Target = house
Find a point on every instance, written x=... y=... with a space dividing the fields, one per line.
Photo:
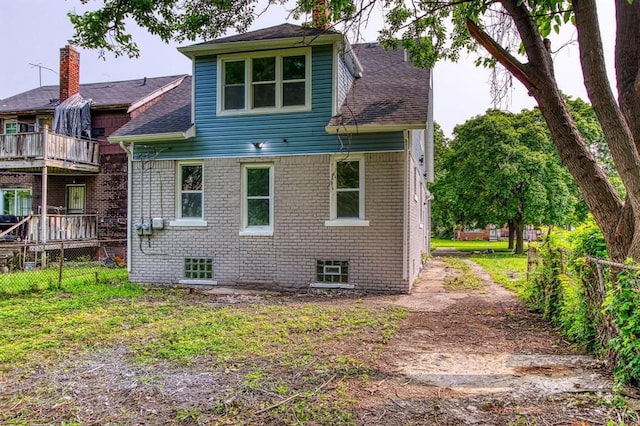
x=292 y=159
x=58 y=173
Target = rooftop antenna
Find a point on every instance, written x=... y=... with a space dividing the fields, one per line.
x=40 y=68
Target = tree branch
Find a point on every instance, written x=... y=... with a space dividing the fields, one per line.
x=507 y=60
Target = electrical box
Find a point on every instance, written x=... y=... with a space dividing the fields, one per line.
x=143 y=227
x=157 y=223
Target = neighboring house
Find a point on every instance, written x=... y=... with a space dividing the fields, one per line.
x=57 y=170
x=494 y=233
x=292 y=160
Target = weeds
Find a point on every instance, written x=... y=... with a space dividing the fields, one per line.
x=463 y=279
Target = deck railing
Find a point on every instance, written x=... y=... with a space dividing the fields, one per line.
x=48 y=146
x=62 y=227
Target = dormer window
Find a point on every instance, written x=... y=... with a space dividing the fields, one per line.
x=275 y=81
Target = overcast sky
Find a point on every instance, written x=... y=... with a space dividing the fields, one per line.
x=33 y=32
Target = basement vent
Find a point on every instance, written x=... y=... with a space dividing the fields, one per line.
x=332 y=271
x=198 y=268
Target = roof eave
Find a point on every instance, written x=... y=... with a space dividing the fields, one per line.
x=374 y=128
x=247 y=46
x=156 y=93
x=154 y=137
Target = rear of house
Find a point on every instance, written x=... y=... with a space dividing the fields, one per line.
x=291 y=160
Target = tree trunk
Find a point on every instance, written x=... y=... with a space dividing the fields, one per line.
x=511 y=233
x=518 y=225
x=606 y=206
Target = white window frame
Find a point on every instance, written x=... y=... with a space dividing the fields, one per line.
x=188 y=221
x=248 y=83
x=334 y=219
x=256 y=230
x=14 y=123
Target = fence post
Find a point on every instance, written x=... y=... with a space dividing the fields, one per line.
x=61 y=260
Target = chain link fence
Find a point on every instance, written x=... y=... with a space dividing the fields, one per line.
x=35 y=267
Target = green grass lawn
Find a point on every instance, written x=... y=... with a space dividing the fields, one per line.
x=473 y=245
x=276 y=348
x=508 y=270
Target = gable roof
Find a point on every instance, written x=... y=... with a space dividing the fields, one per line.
x=279 y=36
x=105 y=94
x=169 y=118
x=391 y=91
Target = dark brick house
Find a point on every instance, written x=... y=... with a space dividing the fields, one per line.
x=58 y=173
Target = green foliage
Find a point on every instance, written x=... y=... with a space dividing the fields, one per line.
x=587 y=240
x=560 y=295
x=577 y=294
x=624 y=305
x=502 y=167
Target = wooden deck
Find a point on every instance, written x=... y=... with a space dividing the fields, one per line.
x=39 y=149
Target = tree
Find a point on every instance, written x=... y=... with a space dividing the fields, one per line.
x=502 y=27
x=502 y=168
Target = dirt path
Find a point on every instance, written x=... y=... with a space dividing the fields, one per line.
x=480 y=358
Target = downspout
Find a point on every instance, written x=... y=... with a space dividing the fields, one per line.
x=129 y=151
x=405 y=211
x=430 y=165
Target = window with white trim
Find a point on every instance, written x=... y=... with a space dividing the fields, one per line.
x=257 y=198
x=347 y=198
x=11 y=127
x=190 y=191
x=272 y=81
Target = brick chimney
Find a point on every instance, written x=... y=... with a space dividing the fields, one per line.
x=69 y=72
x=320 y=15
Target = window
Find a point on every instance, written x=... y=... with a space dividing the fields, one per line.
x=257 y=198
x=347 y=195
x=11 y=127
x=16 y=201
x=272 y=81
x=332 y=271
x=190 y=190
x=198 y=268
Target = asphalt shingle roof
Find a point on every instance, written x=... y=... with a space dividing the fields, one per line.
x=391 y=90
x=170 y=114
x=103 y=94
x=271 y=33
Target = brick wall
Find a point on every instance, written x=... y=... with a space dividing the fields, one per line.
x=69 y=72
x=287 y=259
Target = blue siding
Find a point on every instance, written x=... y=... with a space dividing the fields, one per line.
x=304 y=132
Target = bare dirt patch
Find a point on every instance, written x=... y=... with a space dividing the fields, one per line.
x=481 y=358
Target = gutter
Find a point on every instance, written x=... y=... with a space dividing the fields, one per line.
x=154 y=137
x=373 y=128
